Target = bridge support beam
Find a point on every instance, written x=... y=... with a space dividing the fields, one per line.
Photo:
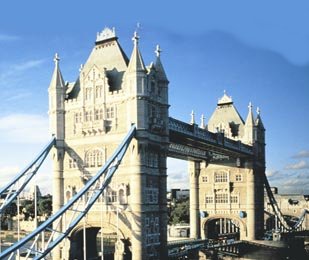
x=194 y=171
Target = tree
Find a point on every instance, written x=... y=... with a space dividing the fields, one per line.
x=45 y=205
x=180 y=213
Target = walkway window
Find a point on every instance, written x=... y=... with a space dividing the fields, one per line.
x=221 y=198
x=220 y=176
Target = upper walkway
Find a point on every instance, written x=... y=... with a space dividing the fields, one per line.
x=188 y=141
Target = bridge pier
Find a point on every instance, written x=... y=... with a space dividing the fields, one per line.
x=194 y=170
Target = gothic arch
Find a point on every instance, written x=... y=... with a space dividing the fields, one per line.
x=206 y=221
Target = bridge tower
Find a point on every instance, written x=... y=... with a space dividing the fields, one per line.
x=231 y=189
x=89 y=118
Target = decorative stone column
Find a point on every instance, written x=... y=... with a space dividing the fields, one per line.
x=194 y=170
x=57 y=154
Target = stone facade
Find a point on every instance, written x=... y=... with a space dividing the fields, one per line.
x=90 y=117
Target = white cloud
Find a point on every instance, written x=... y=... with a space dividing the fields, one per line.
x=301 y=154
x=7 y=37
x=272 y=173
x=297 y=166
x=8 y=72
x=24 y=128
x=7 y=173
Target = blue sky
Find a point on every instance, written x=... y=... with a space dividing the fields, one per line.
x=257 y=51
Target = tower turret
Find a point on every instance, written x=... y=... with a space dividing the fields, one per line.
x=260 y=136
x=56 y=92
x=136 y=86
x=249 y=127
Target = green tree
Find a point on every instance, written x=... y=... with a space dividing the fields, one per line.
x=180 y=213
x=45 y=205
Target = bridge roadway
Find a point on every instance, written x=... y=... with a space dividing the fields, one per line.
x=180 y=248
x=189 y=141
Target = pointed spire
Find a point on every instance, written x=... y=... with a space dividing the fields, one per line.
x=202 y=121
x=136 y=62
x=57 y=79
x=158 y=65
x=192 y=121
x=250 y=118
x=258 y=120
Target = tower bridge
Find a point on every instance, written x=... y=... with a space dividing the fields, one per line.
x=89 y=119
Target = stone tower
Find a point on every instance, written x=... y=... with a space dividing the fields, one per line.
x=231 y=189
x=90 y=117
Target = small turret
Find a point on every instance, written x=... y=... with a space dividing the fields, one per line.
x=260 y=136
x=56 y=92
x=136 y=63
x=249 y=127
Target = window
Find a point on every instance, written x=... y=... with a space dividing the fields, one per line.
x=98 y=91
x=78 y=117
x=234 y=199
x=110 y=113
x=72 y=163
x=209 y=199
x=88 y=93
x=98 y=114
x=88 y=116
x=221 y=198
x=204 y=178
x=220 y=176
x=238 y=177
x=111 y=195
x=94 y=158
x=122 y=198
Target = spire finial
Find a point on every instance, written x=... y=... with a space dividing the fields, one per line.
x=250 y=106
x=158 y=50
x=192 y=122
x=203 y=121
x=258 y=110
x=56 y=58
x=81 y=67
x=135 y=38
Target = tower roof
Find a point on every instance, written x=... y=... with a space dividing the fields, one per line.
x=57 y=79
x=136 y=61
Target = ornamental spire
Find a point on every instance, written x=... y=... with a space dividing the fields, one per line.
x=135 y=38
x=192 y=121
x=57 y=79
x=158 y=51
x=202 y=121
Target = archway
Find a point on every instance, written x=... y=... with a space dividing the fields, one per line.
x=222 y=227
x=99 y=241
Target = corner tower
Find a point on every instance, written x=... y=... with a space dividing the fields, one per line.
x=111 y=93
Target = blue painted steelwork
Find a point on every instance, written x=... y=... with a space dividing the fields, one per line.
x=91 y=191
x=278 y=212
x=14 y=188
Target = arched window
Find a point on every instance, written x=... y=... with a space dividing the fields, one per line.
x=122 y=198
x=94 y=158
